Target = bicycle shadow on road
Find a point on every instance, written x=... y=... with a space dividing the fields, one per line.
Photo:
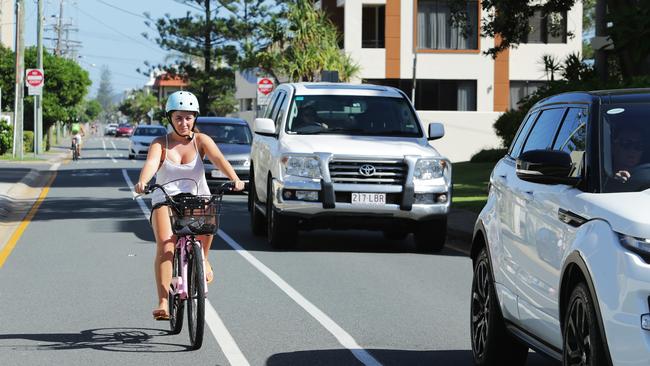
x=389 y=357
x=101 y=339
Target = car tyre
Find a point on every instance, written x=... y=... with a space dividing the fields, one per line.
x=430 y=235
x=583 y=344
x=281 y=231
x=258 y=224
x=492 y=345
x=131 y=156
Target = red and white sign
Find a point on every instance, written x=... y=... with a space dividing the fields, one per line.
x=265 y=86
x=34 y=78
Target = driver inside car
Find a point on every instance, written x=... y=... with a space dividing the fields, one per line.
x=627 y=150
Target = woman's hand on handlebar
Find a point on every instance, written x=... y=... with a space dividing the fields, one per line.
x=239 y=185
x=140 y=187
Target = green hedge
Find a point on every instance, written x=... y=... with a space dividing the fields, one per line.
x=6 y=137
x=28 y=141
x=488 y=156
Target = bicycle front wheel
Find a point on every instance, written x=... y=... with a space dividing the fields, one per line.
x=196 y=296
x=175 y=302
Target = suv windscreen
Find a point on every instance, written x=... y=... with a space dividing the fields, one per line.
x=352 y=115
x=227 y=133
x=149 y=131
x=625 y=147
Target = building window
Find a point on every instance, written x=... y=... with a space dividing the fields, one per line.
x=521 y=89
x=437 y=31
x=551 y=28
x=373 y=26
x=436 y=95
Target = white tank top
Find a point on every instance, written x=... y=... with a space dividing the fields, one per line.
x=170 y=171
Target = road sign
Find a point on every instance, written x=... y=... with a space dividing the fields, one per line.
x=34 y=79
x=264 y=89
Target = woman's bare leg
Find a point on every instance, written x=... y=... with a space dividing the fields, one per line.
x=165 y=241
x=206 y=242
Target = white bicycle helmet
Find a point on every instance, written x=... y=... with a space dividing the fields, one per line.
x=182 y=101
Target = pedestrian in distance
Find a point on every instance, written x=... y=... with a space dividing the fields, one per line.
x=174 y=156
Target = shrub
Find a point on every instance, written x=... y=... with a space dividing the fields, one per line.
x=28 y=141
x=488 y=156
x=6 y=136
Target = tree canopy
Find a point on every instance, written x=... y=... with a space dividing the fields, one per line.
x=137 y=104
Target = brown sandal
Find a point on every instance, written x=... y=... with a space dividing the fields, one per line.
x=160 y=314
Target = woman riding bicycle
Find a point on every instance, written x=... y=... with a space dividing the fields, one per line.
x=174 y=156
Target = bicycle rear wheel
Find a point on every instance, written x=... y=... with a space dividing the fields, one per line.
x=196 y=296
x=174 y=301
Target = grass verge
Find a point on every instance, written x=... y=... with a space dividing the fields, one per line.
x=470 y=185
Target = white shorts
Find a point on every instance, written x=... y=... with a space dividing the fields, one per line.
x=77 y=137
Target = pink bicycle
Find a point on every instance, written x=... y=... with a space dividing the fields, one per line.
x=190 y=215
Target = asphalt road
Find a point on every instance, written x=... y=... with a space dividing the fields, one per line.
x=78 y=288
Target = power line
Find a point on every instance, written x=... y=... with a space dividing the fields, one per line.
x=122 y=10
x=117 y=31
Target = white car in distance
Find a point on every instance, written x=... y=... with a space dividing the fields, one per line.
x=142 y=137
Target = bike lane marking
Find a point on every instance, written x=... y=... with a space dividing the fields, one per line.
x=13 y=240
x=215 y=324
x=344 y=338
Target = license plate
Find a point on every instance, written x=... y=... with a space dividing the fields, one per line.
x=218 y=174
x=368 y=198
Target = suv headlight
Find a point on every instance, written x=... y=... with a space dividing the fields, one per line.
x=639 y=246
x=428 y=169
x=302 y=166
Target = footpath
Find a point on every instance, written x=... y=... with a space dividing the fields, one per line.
x=21 y=183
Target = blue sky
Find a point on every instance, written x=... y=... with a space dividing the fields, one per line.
x=110 y=34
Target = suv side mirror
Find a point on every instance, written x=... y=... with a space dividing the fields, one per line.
x=436 y=131
x=264 y=126
x=546 y=167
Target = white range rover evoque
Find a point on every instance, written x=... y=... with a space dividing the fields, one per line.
x=345 y=156
x=561 y=250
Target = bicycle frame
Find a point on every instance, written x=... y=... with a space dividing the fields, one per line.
x=179 y=284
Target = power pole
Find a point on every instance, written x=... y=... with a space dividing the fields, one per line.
x=38 y=106
x=20 y=76
x=59 y=29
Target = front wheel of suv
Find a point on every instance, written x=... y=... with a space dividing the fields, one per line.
x=258 y=225
x=491 y=343
x=281 y=231
x=430 y=235
x=583 y=344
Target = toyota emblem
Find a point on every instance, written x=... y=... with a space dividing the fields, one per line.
x=367 y=170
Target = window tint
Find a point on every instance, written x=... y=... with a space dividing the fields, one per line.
x=543 y=133
x=269 y=107
x=572 y=138
x=515 y=150
x=276 y=109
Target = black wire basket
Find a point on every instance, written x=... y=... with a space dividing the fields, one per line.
x=195 y=215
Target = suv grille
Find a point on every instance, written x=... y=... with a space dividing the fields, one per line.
x=391 y=172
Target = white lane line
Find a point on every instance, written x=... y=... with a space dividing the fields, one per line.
x=112 y=158
x=223 y=337
x=339 y=333
x=143 y=206
x=212 y=319
x=55 y=167
x=104 y=144
x=114 y=148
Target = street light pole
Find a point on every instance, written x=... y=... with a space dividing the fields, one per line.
x=38 y=105
x=20 y=75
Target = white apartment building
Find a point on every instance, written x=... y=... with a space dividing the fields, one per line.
x=456 y=83
x=7 y=25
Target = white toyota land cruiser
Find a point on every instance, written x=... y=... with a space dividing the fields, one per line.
x=344 y=156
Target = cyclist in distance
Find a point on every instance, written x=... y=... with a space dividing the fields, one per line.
x=178 y=155
x=77 y=132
